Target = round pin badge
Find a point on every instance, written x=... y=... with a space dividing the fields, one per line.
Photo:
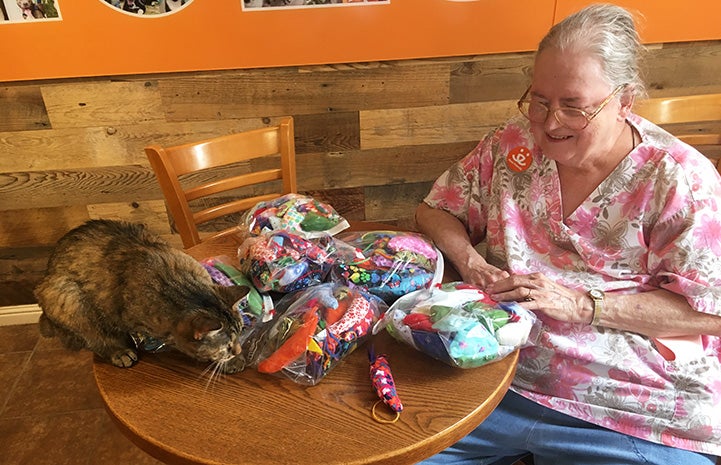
x=519 y=159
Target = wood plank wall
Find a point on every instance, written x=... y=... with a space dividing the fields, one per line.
x=370 y=137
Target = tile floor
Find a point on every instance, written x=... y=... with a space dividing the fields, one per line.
x=50 y=410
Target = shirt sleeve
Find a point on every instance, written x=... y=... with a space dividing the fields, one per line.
x=457 y=191
x=685 y=244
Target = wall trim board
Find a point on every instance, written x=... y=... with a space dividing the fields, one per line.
x=19 y=314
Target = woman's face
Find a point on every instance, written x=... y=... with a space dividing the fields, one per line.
x=574 y=79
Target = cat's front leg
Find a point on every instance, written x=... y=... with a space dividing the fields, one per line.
x=117 y=349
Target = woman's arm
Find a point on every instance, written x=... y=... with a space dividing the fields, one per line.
x=658 y=313
x=450 y=236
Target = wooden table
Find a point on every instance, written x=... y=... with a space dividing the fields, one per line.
x=166 y=405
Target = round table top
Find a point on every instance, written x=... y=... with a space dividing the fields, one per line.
x=169 y=406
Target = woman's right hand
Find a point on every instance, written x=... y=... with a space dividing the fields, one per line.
x=451 y=237
x=478 y=271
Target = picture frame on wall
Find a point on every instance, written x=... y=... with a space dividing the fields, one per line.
x=266 y=4
x=17 y=11
x=147 y=7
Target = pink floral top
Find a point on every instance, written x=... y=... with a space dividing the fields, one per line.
x=655 y=222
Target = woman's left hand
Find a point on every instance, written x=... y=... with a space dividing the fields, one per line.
x=540 y=294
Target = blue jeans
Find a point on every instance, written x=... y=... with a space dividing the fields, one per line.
x=519 y=427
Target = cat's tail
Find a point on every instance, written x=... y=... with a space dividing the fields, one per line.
x=46 y=326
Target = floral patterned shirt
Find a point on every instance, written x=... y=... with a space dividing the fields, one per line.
x=654 y=222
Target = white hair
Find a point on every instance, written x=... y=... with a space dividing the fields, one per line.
x=607 y=32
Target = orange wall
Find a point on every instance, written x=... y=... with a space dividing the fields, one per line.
x=93 y=39
x=665 y=20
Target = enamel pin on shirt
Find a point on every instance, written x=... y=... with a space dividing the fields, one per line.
x=519 y=159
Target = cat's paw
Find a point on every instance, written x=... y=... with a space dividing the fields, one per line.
x=234 y=365
x=124 y=358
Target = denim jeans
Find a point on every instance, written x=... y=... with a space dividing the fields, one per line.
x=519 y=426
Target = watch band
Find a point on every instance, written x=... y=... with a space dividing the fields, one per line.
x=597 y=296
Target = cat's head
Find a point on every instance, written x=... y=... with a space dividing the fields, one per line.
x=211 y=331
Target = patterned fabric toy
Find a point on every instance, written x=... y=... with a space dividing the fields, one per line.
x=384 y=385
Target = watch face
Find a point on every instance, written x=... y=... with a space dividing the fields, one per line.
x=596 y=293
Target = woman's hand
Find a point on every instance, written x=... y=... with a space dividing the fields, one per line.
x=451 y=237
x=477 y=271
x=540 y=294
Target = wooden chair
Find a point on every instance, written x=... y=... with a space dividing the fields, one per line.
x=695 y=119
x=200 y=180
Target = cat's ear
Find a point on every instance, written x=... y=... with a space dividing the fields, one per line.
x=232 y=294
x=203 y=324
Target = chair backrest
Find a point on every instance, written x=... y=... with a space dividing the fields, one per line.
x=695 y=119
x=185 y=183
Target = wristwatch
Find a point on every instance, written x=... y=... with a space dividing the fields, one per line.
x=597 y=296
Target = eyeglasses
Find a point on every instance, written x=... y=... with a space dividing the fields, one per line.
x=572 y=118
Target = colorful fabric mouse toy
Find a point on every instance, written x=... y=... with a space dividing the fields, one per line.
x=384 y=386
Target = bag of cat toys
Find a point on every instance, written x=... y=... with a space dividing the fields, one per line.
x=282 y=261
x=299 y=214
x=255 y=309
x=388 y=264
x=315 y=329
x=255 y=306
x=460 y=325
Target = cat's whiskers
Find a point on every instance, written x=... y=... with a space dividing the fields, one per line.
x=214 y=371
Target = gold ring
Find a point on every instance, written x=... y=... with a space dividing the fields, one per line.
x=528 y=297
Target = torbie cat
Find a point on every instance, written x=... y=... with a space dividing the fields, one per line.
x=109 y=279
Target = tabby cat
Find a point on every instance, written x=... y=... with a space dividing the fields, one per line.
x=108 y=280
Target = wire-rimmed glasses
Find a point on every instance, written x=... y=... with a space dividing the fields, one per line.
x=572 y=118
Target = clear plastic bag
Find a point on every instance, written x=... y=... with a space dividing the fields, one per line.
x=315 y=329
x=255 y=305
x=302 y=215
x=388 y=264
x=460 y=325
x=256 y=309
x=282 y=261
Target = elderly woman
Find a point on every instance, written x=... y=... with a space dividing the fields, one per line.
x=609 y=229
